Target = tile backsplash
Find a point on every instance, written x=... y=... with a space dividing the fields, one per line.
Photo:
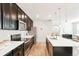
x=5 y=34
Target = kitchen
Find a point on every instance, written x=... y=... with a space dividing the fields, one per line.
x=24 y=25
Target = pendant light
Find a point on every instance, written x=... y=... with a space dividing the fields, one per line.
x=59 y=15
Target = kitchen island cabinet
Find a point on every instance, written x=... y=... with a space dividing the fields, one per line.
x=58 y=50
x=60 y=46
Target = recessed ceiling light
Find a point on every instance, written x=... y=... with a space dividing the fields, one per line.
x=22 y=16
x=37 y=15
x=49 y=16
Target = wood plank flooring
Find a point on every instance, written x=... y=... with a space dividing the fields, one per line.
x=38 y=49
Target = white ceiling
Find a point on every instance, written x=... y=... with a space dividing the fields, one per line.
x=46 y=11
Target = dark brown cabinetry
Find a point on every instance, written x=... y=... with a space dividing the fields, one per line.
x=9 y=16
x=6 y=15
x=29 y=24
x=22 y=16
x=19 y=14
x=19 y=51
x=49 y=47
x=13 y=15
x=9 y=54
x=58 y=50
x=28 y=45
x=0 y=16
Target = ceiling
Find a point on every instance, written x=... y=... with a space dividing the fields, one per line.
x=51 y=11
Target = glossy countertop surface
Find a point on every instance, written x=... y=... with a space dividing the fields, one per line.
x=60 y=41
x=28 y=36
x=6 y=46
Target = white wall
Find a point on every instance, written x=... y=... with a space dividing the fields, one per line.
x=43 y=28
x=67 y=28
x=5 y=34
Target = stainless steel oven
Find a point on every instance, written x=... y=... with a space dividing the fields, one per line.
x=16 y=37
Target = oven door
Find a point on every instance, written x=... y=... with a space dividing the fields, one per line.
x=16 y=37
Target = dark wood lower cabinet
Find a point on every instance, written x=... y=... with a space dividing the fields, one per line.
x=62 y=51
x=22 y=49
x=9 y=54
x=19 y=51
x=49 y=47
x=28 y=45
x=58 y=51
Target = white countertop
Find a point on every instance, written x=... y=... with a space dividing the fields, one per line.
x=62 y=42
x=7 y=46
x=28 y=36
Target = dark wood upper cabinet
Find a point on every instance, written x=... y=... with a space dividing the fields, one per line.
x=0 y=16
x=29 y=24
x=19 y=14
x=6 y=15
x=9 y=16
x=22 y=16
x=13 y=17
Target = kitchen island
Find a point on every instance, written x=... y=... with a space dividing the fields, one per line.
x=8 y=48
x=60 y=46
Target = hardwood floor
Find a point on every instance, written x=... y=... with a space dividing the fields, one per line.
x=38 y=49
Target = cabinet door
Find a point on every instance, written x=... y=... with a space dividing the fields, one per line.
x=28 y=25
x=26 y=20
x=6 y=15
x=50 y=49
x=23 y=16
x=0 y=15
x=19 y=14
x=19 y=51
x=14 y=17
